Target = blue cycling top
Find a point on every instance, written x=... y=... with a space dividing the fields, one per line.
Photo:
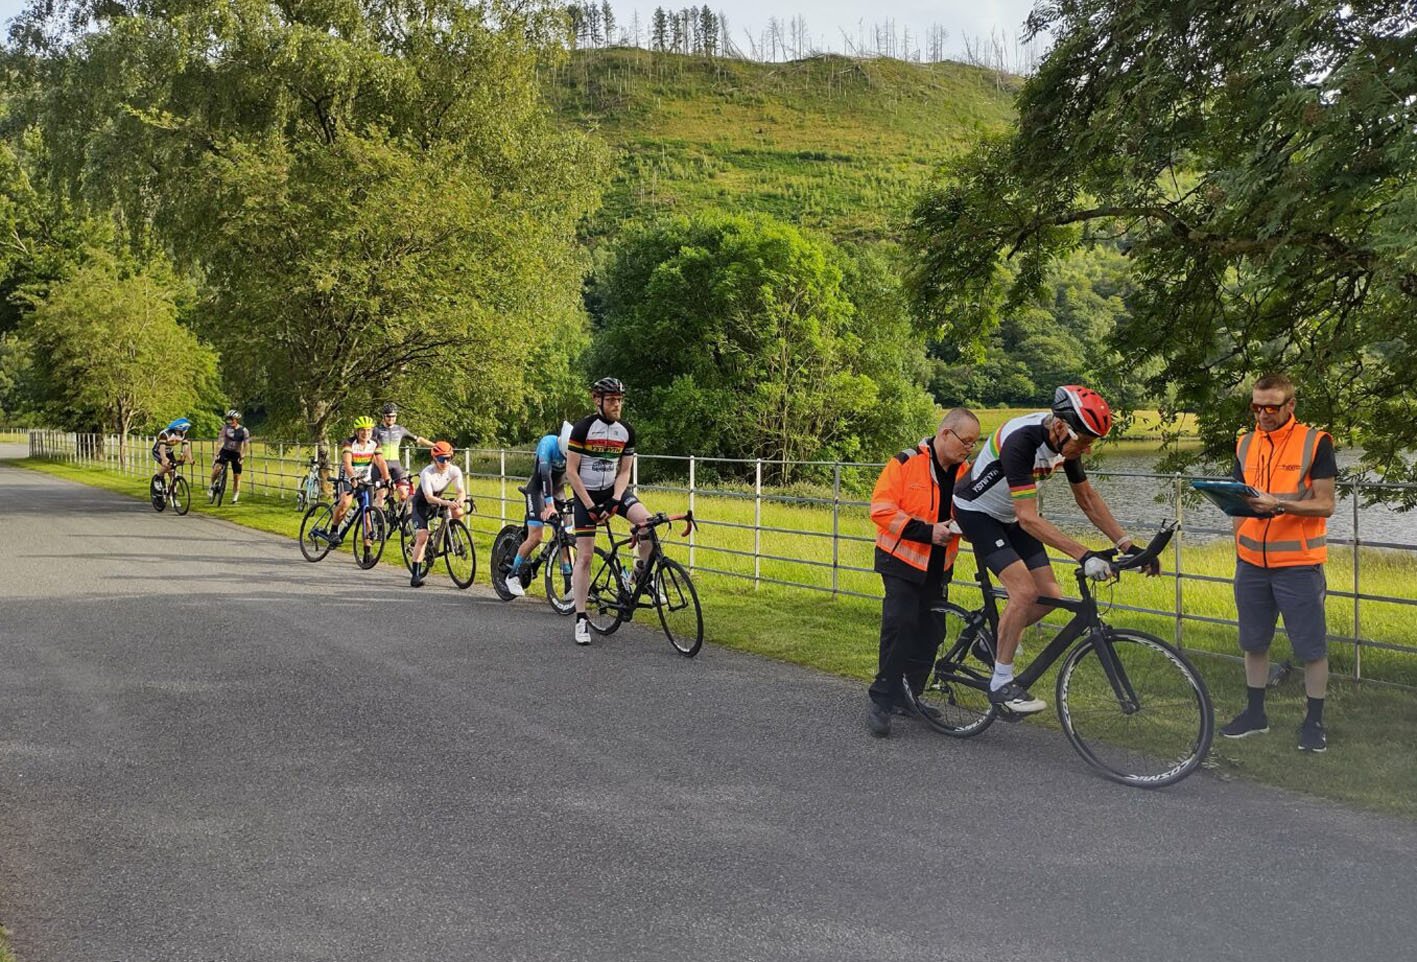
x=549 y=472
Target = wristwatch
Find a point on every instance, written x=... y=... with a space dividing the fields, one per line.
x=1280 y=509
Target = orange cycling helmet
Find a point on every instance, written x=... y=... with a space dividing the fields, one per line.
x=442 y=449
x=1083 y=410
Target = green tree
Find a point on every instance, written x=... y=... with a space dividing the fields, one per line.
x=1256 y=161
x=109 y=350
x=739 y=339
x=374 y=194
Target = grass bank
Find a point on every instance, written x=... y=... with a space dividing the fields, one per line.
x=1370 y=763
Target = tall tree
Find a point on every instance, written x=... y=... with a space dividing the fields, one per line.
x=1259 y=163
x=659 y=30
x=375 y=194
x=110 y=350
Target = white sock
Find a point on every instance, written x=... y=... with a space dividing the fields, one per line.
x=1003 y=674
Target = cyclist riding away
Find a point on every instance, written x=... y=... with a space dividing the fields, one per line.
x=170 y=448
x=433 y=483
x=997 y=509
x=359 y=459
x=389 y=435
x=547 y=484
x=599 y=456
x=233 y=443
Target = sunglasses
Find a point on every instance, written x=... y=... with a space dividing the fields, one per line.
x=1268 y=408
x=443 y=458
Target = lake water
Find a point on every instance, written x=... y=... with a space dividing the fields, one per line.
x=1134 y=499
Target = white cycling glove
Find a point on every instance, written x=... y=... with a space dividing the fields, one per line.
x=1095 y=568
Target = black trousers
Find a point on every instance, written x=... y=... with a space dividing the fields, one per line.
x=910 y=637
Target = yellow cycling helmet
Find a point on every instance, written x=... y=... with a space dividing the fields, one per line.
x=364 y=422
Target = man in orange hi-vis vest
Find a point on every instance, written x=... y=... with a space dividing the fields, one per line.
x=1279 y=567
x=916 y=544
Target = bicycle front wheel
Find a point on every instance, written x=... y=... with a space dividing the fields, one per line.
x=157 y=493
x=558 y=565
x=219 y=488
x=948 y=703
x=370 y=533
x=504 y=549
x=678 y=605
x=316 y=530
x=603 y=599
x=181 y=495
x=459 y=554
x=1135 y=708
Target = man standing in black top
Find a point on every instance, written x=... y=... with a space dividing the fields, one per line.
x=916 y=545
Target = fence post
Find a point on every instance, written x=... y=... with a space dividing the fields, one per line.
x=757 y=522
x=281 y=495
x=502 y=473
x=691 y=511
x=836 y=524
x=467 y=484
x=1357 y=586
x=1176 y=495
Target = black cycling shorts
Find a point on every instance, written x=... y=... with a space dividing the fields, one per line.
x=232 y=458
x=423 y=511
x=396 y=470
x=999 y=545
x=585 y=527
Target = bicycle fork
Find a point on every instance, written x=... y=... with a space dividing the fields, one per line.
x=1115 y=672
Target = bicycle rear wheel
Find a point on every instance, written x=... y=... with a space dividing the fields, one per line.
x=948 y=703
x=559 y=564
x=316 y=529
x=157 y=493
x=504 y=548
x=603 y=599
x=459 y=554
x=370 y=532
x=678 y=605
x=181 y=495
x=1147 y=724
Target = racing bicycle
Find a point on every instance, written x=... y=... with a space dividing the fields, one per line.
x=1132 y=705
x=665 y=586
x=217 y=491
x=318 y=537
x=173 y=490
x=557 y=556
x=449 y=539
x=307 y=491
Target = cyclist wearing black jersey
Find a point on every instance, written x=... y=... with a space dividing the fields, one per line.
x=997 y=509
x=599 y=456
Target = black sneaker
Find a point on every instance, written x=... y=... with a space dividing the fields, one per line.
x=878 y=721
x=1245 y=724
x=417 y=580
x=1016 y=699
x=1312 y=737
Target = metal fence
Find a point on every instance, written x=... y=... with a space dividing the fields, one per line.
x=738 y=523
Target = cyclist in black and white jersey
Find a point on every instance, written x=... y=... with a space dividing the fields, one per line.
x=233 y=444
x=598 y=461
x=997 y=509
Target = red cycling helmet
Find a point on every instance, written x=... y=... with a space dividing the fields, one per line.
x=1083 y=410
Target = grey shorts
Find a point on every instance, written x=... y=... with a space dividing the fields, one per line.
x=1297 y=593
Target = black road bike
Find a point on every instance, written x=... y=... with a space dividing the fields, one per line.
x=217 y=491
x=449 y=539
x=370 y=531
x=172 y=490
x=556 y=559
x=665 y=586
x=1132 y=705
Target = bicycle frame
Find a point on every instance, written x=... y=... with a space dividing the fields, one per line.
x=1085 y=621
x=628 y=602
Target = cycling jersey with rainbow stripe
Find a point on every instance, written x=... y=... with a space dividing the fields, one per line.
x=361 y=456
x=601 y=444
x=1012 y=463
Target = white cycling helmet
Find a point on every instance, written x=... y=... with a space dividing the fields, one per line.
x=564 y=441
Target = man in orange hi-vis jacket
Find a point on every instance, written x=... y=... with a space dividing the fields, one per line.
x=1279 y=566
x=916 y=544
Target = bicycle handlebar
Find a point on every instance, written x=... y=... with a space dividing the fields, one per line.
x=661 y=518
x=1146 y=556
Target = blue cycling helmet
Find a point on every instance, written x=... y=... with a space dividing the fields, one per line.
x=181 y=424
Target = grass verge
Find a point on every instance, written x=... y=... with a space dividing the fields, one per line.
x=1369 y=764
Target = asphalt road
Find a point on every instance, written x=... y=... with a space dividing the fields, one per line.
x=212 y=750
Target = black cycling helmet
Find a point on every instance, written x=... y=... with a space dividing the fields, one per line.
x=608 y=385
x=390 y=408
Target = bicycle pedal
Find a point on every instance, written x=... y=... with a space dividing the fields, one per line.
x=1009 y=715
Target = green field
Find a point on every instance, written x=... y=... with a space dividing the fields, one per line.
x=1370 y=724
x=831 y=143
